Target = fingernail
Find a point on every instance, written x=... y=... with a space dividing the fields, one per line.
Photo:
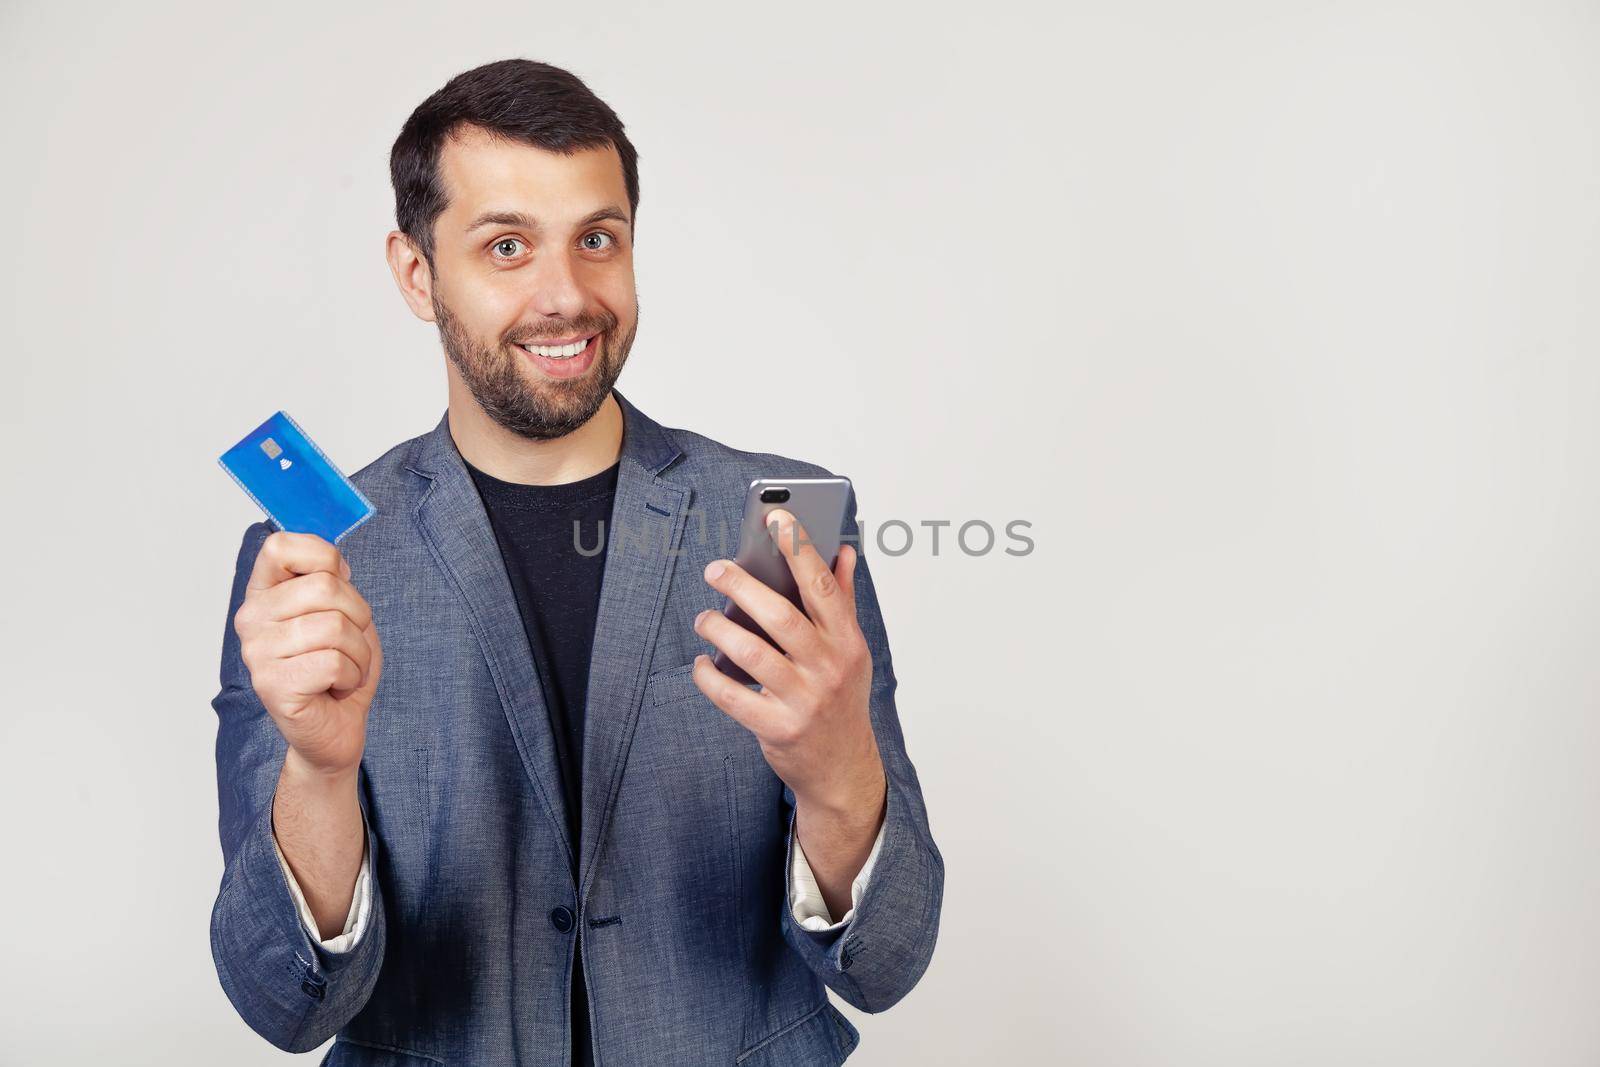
x=345 y=567
x=714 y=570
x=698 y=619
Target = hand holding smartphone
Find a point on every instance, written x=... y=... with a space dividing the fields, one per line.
x=818 y=504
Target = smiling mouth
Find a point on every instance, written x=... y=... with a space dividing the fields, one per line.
x=564 y=351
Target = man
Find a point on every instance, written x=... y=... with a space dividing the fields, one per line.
x=534 y=824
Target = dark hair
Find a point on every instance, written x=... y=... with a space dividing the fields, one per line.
x=518 y=99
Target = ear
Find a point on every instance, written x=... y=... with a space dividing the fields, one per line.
x=411 y=273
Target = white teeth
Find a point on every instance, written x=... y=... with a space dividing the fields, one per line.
x=559 y=351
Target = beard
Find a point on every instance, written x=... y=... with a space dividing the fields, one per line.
x=541 y=409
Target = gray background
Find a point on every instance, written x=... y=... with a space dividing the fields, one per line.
x=1277 y=321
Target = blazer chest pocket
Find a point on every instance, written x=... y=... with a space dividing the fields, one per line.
x=674 y=705
x=671 y=685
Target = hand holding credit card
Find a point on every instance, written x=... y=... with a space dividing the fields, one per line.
x=294 y=482
x=310 y=644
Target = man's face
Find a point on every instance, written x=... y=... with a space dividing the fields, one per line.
x=535 y=249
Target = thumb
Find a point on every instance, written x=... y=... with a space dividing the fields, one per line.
x=375 y=665
x=844 y=572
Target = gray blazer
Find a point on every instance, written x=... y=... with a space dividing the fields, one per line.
x=680 y=902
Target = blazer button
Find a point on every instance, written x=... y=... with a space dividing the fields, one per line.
x=561 y=917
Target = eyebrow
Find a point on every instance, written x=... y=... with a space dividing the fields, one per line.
x=524 y=221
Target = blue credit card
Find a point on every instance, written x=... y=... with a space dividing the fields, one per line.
x=290 y=479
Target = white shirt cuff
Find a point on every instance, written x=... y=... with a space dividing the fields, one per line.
x=360 y=906
x=808 y=907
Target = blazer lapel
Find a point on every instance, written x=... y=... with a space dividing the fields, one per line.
x=452 y=520
x=642 y=543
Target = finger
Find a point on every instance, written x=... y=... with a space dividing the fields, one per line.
x=314 y=673
x=744 y=705
x=759 y=659
x=322 y=630
x=819 y=590
x=369 y=680
x=284 y=555
x=318 y=591
x=768 y=609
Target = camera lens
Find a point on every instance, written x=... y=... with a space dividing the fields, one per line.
x=774 y=496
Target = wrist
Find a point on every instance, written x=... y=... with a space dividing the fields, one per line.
x=860 y=805
x=309 y=778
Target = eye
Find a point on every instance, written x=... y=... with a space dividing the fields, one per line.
x=506 y=247
x=598 y=233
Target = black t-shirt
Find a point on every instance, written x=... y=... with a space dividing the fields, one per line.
x=551 y=537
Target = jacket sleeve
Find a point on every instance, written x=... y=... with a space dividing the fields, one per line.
x=290 y=990
x=879 y=955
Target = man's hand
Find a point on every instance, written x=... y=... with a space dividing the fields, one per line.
x=811 y=714
x=307 y=638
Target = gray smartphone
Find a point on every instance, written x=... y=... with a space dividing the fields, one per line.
x=819 y=504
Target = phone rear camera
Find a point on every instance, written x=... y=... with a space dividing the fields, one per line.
x=774 y=496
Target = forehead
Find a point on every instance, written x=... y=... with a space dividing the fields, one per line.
x=482 y=172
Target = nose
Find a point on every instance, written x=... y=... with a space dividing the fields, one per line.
x=555 y=290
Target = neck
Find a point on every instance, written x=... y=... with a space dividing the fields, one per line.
x=491 y=448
